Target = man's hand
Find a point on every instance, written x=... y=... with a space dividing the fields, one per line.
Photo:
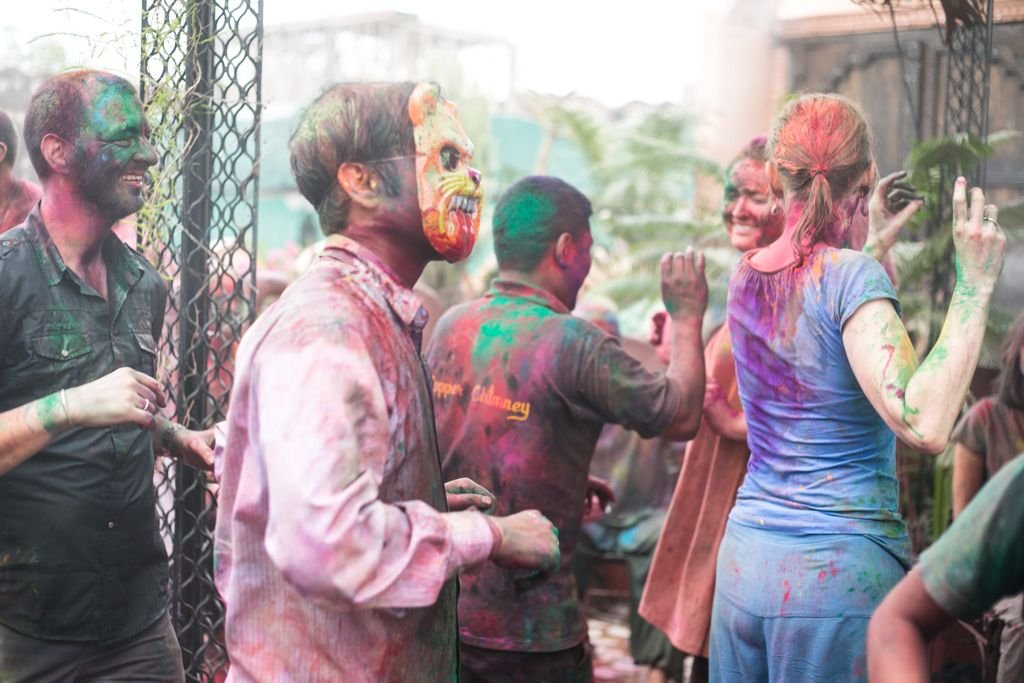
x=194 y=448
x=124 y=396
x=684 y=288
x=464 y=494
x=892 y=205
x=599 y=497
x=525 y=540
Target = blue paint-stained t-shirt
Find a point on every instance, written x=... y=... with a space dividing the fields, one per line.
x=821 y=458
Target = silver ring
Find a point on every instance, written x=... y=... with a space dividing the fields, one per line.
x=993 y=221
x=145 y=406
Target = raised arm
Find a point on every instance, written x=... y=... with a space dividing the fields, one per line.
x=892 y=205
x=684 y=291
x=921 y=402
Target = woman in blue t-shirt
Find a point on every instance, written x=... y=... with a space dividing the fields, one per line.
x=828 y=379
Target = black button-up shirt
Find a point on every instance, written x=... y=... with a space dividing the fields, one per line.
x=81 y=557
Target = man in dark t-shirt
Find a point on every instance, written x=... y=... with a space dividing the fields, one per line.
x=522 y=390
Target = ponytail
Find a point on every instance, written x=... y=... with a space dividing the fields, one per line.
x=821 y=146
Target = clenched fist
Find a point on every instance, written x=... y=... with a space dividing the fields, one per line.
x=525 y=540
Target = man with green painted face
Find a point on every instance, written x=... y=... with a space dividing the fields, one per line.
x=523 y=390
x=83 y=571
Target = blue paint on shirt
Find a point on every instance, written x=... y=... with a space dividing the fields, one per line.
x=822 y=460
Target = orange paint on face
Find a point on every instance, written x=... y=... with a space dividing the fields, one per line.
x=450 y=195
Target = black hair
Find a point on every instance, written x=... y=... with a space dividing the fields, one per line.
x=530 y=217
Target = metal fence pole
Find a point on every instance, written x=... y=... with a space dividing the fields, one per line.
x=196 y=204
x=201 y=88
x=968 y=71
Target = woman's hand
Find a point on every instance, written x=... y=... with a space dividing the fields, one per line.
x=980 y=242
x=892 y=205
x=720 y=415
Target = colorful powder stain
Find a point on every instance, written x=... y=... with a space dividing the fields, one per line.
x=821 y=457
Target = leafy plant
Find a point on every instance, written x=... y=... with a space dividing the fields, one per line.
x=647 y=182
x=925 y=260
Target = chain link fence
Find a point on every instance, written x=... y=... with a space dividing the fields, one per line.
x=968 y=75
x=200 y=84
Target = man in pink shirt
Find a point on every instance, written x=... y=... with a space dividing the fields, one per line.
x=335 y=545
x=17 y=196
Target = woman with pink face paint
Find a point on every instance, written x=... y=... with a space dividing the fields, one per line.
x=828 y=379
x=681 y=583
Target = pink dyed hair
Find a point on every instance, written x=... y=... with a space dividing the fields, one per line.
x=821 y=145
x=756 y=149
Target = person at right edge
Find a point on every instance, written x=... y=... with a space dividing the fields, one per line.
x=828 y=379
x=988 y=437
x=975 y=564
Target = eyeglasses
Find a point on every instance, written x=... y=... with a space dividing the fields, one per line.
x=381 y=161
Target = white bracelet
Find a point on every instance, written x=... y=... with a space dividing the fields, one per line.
x=64 y=405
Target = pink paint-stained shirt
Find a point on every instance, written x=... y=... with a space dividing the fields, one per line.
x=17 y=204
x=334 y=551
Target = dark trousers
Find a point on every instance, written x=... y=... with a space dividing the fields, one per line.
x=648 y=645
x=480 y=665
x=152 y=656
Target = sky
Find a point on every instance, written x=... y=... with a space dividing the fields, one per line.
x=647 y=50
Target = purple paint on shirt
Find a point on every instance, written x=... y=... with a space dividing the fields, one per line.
x=822 y=460
x=522 y=390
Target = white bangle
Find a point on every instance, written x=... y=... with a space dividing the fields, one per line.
x=64 y=405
